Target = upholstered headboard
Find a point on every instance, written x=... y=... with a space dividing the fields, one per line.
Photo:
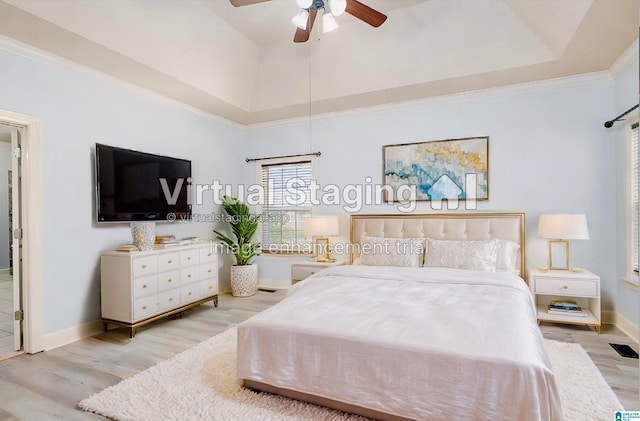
x=450 y=226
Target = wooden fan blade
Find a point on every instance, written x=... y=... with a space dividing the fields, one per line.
x=302 y=35
x=365 y=13
x=238 y=3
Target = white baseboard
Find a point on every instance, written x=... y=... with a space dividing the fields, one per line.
x=71 y=334
x=627 y=326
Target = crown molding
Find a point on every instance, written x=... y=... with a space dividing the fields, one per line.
x=625 y=60
x=519 y=88
x=29 y=52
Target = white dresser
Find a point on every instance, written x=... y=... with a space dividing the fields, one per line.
x=141 y=287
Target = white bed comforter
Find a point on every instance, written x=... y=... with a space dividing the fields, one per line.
x=421 y=343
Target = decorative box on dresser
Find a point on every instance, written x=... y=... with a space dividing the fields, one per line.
x=140 y=287
x=304 y=269
x=581 y=286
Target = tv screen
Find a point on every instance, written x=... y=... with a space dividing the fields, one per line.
x=138 y=186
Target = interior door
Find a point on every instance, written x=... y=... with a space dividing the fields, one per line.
x=16 y=235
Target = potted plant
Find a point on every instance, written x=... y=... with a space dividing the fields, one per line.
x=244 y=274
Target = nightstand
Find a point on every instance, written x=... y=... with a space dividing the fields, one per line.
x=304 y=269
x=582 y=287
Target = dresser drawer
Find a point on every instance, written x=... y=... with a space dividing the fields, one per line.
x=168 y=261
x=145 y=307
x=208 y=287
x=209 y=271
x=189 y=275
x=167 y=280
x=145 y=265
x=168 y=299
x=559 y=286
x=189 y=257
x=207 y=255
x=145 y=285
x=190 y=293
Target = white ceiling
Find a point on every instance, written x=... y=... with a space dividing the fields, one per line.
x=241 y=63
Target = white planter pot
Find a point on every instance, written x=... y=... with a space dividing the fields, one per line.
x=244 y=280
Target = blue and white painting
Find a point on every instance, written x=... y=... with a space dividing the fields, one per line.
x=440 y=169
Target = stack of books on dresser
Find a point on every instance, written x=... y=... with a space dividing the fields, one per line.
x=164 y=241
x=566 y=308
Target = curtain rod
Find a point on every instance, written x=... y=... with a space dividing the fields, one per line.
x=284 y=156
x=610 y=123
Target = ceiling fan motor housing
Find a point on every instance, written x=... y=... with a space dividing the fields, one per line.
x=317 y=5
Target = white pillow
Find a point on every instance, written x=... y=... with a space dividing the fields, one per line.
x=472 y=255
x=382 y=251
x=507 y=256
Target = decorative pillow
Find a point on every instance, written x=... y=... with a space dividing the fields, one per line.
x=507 y=256
x=382 y=251
x=473 y=255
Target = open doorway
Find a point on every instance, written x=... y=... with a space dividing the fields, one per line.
x=10 y=261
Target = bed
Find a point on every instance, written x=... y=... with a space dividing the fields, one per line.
x=409 y=342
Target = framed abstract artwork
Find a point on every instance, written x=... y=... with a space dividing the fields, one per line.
x=454 y=169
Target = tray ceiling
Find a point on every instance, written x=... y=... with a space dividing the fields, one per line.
x=241 y=63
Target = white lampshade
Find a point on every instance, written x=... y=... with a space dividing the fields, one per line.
x=321 y=226
x=300 y=20
x=563 y=227
x=328 y=23
x=304 y=4
x=337 y=7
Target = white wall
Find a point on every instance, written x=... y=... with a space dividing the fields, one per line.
x=76 y=110
x=549 y=153
x=626 y=95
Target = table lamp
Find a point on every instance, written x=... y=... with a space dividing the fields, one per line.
x=560 y=228
x=321 y=227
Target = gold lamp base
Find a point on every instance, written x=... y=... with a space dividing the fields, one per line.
x=323 y=252
x=559 y=249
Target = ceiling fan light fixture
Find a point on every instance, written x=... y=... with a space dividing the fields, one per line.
x=300 y=20
x=304 y=4
x=328 y=22
x=337 y=7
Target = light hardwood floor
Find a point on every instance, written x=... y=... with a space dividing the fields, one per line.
x=49 y=385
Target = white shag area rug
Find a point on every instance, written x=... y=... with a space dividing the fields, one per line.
x=200 y=384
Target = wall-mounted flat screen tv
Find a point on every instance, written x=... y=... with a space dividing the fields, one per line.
x=138 y=186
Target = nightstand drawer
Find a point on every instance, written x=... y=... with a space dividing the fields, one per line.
x=299 y=272
x=559 y=286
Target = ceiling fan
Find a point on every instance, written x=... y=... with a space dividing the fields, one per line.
x=309 y=8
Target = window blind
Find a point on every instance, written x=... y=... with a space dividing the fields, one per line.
x=635 y=197
x=286 y=206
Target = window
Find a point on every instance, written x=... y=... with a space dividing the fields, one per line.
x=635 y=198
x=286 y=205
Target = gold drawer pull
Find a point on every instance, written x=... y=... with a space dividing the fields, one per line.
x=170 y=299
x=209 y=271
x=169 y=261
x=189 y=293
x=189 y=276
x=169 y=280
x=210 y=254
x=144 y=266
x=565 y=287
x=144 y=307
x=188 y=257
x=144 y=286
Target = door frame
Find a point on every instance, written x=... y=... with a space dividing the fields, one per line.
x=31 y=218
